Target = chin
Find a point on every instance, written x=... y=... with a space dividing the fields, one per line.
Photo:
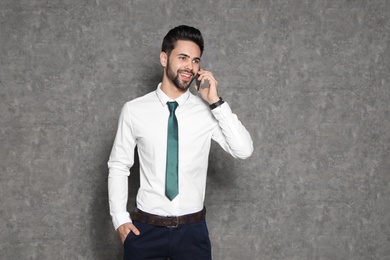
x=182 y=86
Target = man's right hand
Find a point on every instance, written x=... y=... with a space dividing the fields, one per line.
x=125 y=229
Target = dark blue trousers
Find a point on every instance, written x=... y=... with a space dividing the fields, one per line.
x=185 y=242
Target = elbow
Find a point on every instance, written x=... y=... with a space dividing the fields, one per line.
x=246 y=155
x=246 y=152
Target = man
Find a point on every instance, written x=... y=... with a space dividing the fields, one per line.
x=172 y=129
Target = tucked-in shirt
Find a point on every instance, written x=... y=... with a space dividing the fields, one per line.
x=143 y=123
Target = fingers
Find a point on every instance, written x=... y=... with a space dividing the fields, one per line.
x=209 y=94
x=207 y=75
x=124 y=230
x=134 y=230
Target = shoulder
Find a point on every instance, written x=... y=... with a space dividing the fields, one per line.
x=145 y=98
x=143 y=101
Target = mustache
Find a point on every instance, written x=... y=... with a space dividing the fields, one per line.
x=188 y=71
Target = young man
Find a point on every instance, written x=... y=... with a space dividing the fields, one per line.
x=172 y=129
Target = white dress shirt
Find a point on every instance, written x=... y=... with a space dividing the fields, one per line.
x=143 y=123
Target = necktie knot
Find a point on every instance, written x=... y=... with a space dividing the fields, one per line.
x=172 y=106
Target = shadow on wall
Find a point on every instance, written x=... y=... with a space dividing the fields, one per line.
x=104 y=239
x=101 y=234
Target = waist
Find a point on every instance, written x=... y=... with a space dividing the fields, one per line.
x=167 y=221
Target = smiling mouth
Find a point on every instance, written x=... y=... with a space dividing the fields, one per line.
x=186 y=75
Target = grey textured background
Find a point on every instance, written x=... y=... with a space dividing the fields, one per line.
x=309 y=79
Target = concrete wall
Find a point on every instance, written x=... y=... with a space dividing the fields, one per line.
x=309 y=79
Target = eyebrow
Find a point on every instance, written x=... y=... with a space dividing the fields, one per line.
x=188 y=56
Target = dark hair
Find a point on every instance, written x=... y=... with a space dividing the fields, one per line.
x=182 y=32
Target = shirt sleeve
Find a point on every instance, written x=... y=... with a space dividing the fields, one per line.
x=119 y=164
x=231 y=135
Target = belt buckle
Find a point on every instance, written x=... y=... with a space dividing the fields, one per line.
x=177 y=222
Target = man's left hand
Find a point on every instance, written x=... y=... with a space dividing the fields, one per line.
x=209 y=94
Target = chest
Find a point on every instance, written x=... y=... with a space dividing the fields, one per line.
x=195 y=124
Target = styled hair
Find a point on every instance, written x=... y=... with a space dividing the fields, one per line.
x=182 y=32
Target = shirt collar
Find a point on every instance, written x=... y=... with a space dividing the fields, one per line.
x=164 y=98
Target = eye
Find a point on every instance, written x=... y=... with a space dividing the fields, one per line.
x=196 y=61
x=182 y=58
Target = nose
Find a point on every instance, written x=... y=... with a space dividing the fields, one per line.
x=189 y=65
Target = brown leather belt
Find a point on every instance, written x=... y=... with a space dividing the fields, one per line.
x=169 y=222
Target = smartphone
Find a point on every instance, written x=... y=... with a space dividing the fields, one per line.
x=197 y=82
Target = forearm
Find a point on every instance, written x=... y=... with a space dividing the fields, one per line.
x=117 y=196
x=119 y=164
x=234 y=138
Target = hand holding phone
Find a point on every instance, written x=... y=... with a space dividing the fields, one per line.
x=199 y=84
x=209 y=88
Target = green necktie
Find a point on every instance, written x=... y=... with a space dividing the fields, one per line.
x=171 y=185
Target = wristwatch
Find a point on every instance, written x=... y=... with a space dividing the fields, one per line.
x=217 y=104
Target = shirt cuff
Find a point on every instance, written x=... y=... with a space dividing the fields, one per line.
x=221 y=111
x=120 y=219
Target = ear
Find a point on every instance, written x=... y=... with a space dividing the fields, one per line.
x=163 y=59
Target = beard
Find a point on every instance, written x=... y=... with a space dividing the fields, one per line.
x=175 y=78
